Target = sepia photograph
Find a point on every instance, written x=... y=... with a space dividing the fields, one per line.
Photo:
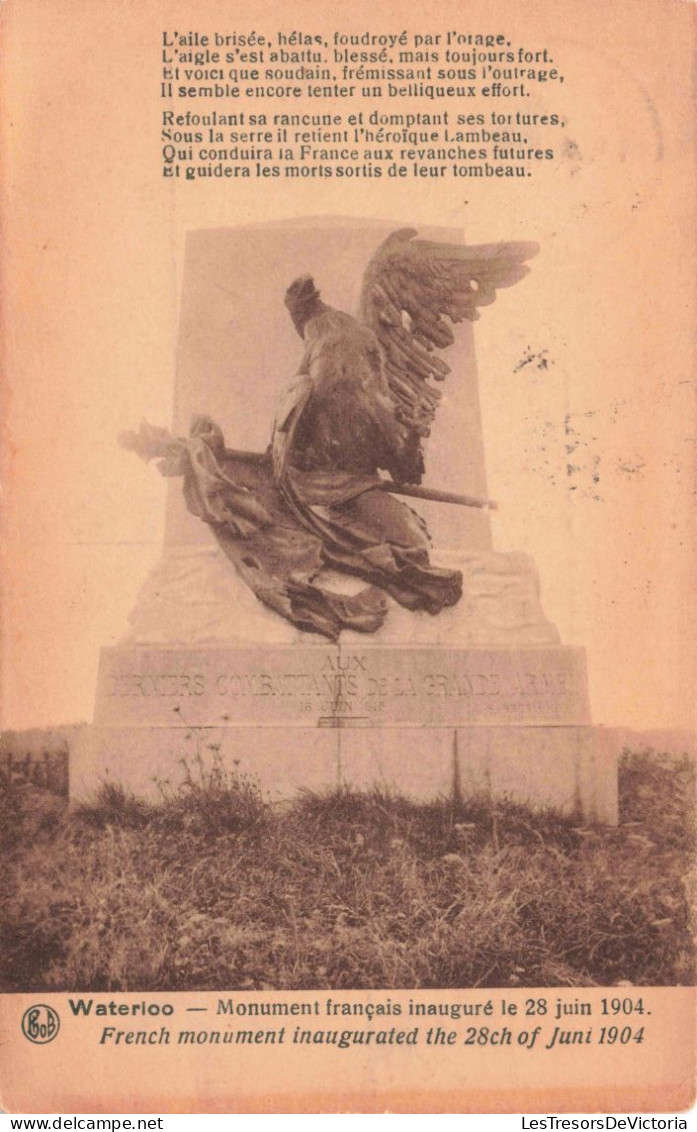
x=348 y=741
x=340 y=744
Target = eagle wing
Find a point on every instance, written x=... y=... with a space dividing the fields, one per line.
x=412 y=290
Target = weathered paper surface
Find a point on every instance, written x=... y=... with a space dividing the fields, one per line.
x=587 y=403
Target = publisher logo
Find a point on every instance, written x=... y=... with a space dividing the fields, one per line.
x=40 y=1024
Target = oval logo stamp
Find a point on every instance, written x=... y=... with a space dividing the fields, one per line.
x=40 y=1023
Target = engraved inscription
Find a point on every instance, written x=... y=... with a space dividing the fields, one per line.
x=156 y=684
x=379 y=687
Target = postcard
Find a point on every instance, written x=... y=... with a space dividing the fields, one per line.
x=348 y=666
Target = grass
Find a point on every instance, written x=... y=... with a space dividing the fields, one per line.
x=214 y=889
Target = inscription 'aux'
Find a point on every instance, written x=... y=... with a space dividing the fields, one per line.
x=351 y=663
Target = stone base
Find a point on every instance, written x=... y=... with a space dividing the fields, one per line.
x=573 y=769
x=357 y=685
x=194 y=594
x=421 y=722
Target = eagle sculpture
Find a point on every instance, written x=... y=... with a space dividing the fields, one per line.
x=358 y=410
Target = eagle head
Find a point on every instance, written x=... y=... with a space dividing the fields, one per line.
x=303 y=302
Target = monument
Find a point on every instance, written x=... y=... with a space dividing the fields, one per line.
x=329 y=610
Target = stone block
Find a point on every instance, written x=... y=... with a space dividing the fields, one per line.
x=413 y=762
x=280 y=762
x=422 y=722
x=321 y=684
x=571 y=769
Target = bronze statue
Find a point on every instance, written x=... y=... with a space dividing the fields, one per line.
x=361 y=403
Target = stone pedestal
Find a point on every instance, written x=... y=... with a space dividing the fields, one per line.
x=425 y=722
x=481 y=698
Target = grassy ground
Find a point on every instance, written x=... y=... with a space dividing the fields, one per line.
x=213 y=889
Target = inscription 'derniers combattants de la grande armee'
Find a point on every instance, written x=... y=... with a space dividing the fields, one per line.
x=441 y=686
